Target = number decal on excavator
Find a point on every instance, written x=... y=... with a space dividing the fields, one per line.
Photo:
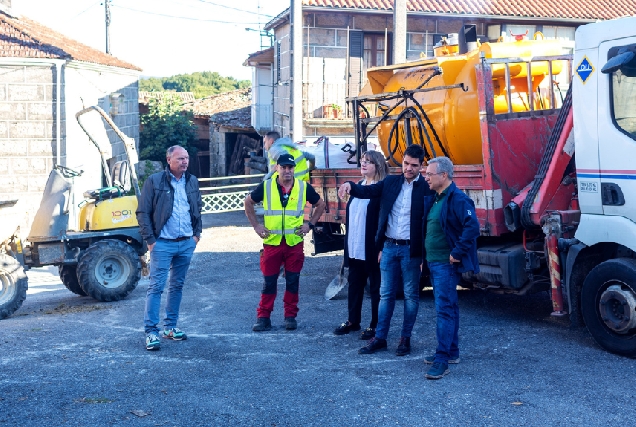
x=120 y=216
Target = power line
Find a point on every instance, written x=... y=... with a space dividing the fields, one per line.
x=235 y=8
x=183 y=17
x=85 y=10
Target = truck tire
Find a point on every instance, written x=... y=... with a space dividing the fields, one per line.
x=608 y=305
x=109 y=270
x=68 y=275
x=13 y=285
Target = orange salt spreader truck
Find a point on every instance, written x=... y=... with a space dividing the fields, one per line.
x=502 y=114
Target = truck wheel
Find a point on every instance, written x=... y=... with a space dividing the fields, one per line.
x=109 y=270
x=608 y=305
x=68 y=275
x=13 y=285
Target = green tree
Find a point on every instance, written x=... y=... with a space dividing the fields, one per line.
x=151 y=84
x=202 y=84
x=165 y=125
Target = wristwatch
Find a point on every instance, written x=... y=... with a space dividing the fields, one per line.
x=311 y=226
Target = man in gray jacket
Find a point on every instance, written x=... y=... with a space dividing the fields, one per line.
x=277 y=146
x=169 y=216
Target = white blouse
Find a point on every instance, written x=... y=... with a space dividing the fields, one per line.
x=356 y=233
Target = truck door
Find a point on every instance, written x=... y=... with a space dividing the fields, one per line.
x=617 y=130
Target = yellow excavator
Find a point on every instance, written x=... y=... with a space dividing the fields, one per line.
x=96 y=244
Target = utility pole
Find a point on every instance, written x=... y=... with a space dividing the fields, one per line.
x=399 y=31
x=107 y=15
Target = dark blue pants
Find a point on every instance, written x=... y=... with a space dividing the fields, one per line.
x=445 y=279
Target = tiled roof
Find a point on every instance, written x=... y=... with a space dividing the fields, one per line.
x=230 y=108
x=565 y=9
x=24 y=38
x=145 y=97
x=262 y=56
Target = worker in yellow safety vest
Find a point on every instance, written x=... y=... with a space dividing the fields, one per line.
x=276 y=146
x=284 y=197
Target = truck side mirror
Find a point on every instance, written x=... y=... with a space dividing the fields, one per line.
x=614 y=64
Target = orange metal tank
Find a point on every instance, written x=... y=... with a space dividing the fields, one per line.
x=453 y=113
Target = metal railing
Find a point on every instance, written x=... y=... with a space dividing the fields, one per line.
x=227 y=198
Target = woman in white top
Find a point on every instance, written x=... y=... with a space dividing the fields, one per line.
x=359 y=249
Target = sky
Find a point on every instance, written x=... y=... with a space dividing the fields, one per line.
x=164 y=37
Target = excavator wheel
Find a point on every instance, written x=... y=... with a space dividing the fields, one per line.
x=109 y=270
x=68 y=275
x=608 y=305
x=13 y=285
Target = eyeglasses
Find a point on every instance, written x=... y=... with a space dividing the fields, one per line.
x=366 y=162
x=429 y=174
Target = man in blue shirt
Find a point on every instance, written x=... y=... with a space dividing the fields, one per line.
x=169 y=216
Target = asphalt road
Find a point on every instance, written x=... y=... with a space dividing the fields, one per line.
x=69 y=360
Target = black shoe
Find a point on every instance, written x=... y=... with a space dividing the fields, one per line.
x=262 y=324
x=404 y=347
x=375 y=344
x=290 y=323
x=345 y=328
x=367 y=334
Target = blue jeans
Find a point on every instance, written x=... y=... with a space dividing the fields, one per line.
x=397 y=263
x=445 y=278
x=173 y=257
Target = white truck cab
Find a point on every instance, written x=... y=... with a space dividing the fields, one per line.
x=605 y=132
x=601 y=267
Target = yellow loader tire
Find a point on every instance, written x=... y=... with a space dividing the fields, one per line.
x=13 y=285
x=109 y=270
x=68 y=276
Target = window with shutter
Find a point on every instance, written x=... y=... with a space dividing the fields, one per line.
x=356 y=53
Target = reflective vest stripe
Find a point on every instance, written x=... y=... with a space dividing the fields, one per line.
x=283 y=232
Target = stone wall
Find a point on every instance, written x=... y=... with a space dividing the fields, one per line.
x=27 y=134
x=28 y=140
x=218 y=152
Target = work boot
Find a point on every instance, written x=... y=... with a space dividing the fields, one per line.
x=262 y=324
x=404 y=347
x=290 y=323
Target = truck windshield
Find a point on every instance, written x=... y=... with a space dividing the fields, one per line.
x=623 y=98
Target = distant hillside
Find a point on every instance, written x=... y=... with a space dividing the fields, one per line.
x=201 y=84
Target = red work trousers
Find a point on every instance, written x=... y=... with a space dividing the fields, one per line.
x=272 y=258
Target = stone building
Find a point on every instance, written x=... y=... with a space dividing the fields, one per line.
x=320 y=62
x=221 y=119
x=45 y=79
